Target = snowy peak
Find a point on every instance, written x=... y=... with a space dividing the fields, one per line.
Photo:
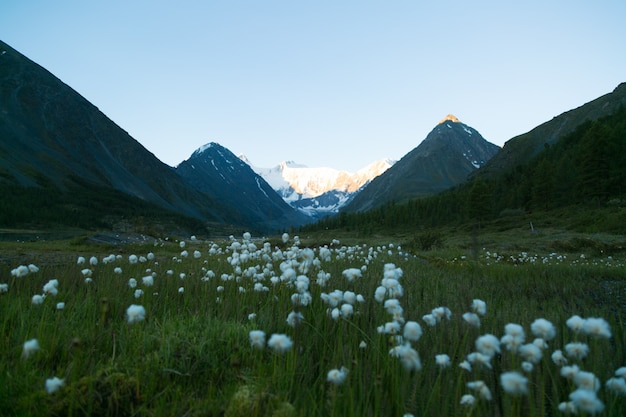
x=449 y=117
x=320 y=190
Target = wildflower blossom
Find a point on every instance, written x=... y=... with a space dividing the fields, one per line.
x=412 y=331
x=4 y=288
x=51 y=287
x=569 y=372
x=30 y=346
x=60 y=306
x=575 y=323
x=138 y=293
x=481 y=388
x=597 y=327
x=132 y=283
x=251 y=316
x=477 y=358
x=352 y=274
x=337 y=376
x=408 y=357
x=543 y=328
x=181 y=290
x=530 y=352
x=587 y=380
x=429 y=319
x=558 y=358
x=37 y=299
x=468 y=400
x=472 y=319
x=621 y=372
x=466 y=365
x=479 y=307
x=488 y=345
x=80 y=260
x=586 y=401
x=514 y=383
x=257 y=339
x=616 y=386
x=568 y=407
x=347 y=310
x=135 y=313
x=441 y=312
x=442 y=361
x=54 y=384
x=20 y=272
x=93 y=261
x=576 y=350
x=527 y=367
x=280 y=343
x=294 y=318
x=132 y=259
x=117 y=270
x=148 y=280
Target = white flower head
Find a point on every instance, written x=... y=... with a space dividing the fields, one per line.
x=576 y=350
x=558 y=358
x=442 y=361
x=337 y=376
x=597 y=327
x=575 y=323
x=280 y=343
x=412 y=331
x=514 y=383
x=294 y=318
x=472 y=319
x=479 y=307
x=135 y=313
x=257 y=339
x=530 y=352
x=586 y=401
x=543 y=328
x=488 y=345
x=30 y=346
x=468 y=400
x=54 y=384
x=617 y=386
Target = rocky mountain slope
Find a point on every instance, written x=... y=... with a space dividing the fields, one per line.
x=450 y=152
x=520 y=149
x=216 y=171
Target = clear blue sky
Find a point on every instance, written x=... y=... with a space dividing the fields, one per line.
x=324 y=83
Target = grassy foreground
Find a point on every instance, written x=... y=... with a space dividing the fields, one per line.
x=252 y=327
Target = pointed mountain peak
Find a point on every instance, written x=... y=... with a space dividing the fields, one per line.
x=451 y=118
x=203 y=148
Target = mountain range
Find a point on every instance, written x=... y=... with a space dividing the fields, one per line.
x=63 y=162
x=318 y=192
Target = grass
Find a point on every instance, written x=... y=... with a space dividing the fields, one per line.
x=192 y=354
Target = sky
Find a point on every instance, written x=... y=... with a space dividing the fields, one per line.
x=325 y=83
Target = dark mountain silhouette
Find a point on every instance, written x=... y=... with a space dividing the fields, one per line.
x=216 y=171
x=55 y=141
x=521 y=149
x=450 y=152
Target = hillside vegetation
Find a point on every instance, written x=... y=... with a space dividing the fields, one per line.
x=577 y=183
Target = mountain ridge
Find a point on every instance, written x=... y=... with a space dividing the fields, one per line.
x=448 y=154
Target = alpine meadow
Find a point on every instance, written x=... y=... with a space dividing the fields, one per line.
x=465 y=279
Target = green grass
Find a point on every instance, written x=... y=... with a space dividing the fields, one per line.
x=192 y=355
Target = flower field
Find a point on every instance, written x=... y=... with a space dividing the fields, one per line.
x=275 y=327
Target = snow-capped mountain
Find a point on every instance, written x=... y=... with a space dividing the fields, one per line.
x=318 y=191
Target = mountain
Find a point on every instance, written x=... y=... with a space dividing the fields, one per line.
x=448 y=154
x=216 y=171
x=72 y=160
x=318 y=192
x=521 y=149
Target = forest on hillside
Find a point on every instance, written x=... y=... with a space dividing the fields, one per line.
x=585 y=169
